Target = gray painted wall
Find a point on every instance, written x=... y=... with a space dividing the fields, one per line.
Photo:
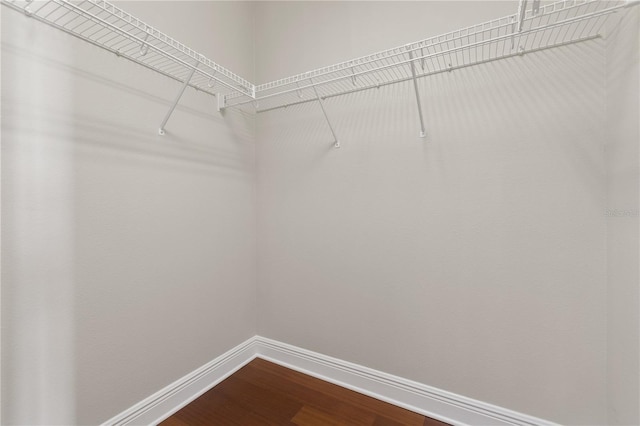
x=478 y=261
x=474 y=261
x=128 y=258
x=623 y=117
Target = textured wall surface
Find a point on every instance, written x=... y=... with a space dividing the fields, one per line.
x=474 y=260
x=128 y=258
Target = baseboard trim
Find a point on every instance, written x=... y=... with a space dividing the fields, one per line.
x=429 y=401
x=164 y=403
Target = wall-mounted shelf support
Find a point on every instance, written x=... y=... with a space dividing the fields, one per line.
x=175 y=102
x=336 y=143
x=423 y=131
x=522 y=13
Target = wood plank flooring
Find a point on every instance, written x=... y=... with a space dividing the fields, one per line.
x=263 y=393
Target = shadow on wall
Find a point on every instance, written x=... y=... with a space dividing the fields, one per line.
x=141 y=137
x=368 y=119
x=92 y=193
x=38 y=347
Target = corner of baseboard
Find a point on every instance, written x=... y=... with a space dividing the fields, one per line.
x=418 y=397
x=173 y=397
x=427 y=400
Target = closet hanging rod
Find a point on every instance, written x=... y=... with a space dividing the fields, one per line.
x=441 y=53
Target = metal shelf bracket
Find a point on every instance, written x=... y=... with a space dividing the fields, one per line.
x=161 y=131
x=423 y=132
x=522 y=12
x=336 y=142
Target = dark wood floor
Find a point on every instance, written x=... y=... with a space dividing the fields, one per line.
x=263 y=393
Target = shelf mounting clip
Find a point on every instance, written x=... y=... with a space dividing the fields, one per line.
x=336 y=142
x=161 y=131
x=423 y=131
x=536 y=7
x=222 y=102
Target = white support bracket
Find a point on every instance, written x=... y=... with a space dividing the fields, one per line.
x=336 y=143
x=161 y=131
x=423 y=131
x=522 y=12
x=221 y=101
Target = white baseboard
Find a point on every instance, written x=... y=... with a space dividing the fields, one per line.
x=167 y=401
x=429 y=401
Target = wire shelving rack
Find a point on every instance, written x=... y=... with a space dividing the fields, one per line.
x=106 y=26
x=529 y=30
x=548 y=26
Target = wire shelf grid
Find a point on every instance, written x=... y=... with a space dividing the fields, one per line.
x=553 y=25
x=104 y=25
x=540 y=27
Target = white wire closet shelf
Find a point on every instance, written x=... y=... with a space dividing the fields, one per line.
x=537 y=28
x=106 y=26
x=531 y=29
